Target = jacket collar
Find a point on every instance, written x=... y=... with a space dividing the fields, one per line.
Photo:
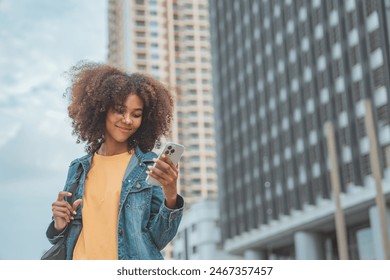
x=140 y=158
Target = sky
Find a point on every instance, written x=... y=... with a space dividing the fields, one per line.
x=39 y=41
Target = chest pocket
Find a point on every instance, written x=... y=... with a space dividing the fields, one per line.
x=139 y=195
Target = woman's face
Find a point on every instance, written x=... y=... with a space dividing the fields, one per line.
x=123 y=121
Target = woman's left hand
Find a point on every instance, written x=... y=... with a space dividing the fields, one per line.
x=166 y=173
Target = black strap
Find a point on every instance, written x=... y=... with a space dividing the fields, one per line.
x=73 y=190
x=74 y=187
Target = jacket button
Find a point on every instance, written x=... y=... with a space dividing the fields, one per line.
x=120 y=231
x=137 y=185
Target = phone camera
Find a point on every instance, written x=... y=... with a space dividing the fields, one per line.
x=172 y=151
x=169 y=147
x=167 y=152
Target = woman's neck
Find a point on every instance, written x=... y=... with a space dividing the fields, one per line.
x=111 y=150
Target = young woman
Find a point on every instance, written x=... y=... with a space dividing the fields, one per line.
x=115 y=213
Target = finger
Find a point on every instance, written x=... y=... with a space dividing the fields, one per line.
x=62 y=204
x=155 y=176
x=66 y=217
x=75 y=205
x=61 y=195
x=61 y=209
x=162 y=175
x=158 y=170
x=165 y=166
x=167 y=160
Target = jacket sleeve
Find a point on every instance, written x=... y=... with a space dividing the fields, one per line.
x=164 y=222
x=54 y=235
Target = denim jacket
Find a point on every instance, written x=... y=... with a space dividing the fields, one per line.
x=145 y=224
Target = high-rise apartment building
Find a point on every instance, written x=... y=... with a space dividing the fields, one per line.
x=170 y=40
x=287 y=74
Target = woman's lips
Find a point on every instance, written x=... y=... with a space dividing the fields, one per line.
x=124 y=129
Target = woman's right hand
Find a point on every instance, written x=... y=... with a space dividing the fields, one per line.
x=63 y=212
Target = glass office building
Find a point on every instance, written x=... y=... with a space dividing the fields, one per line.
x=285 y=75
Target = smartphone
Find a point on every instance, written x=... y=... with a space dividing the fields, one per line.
x=174 y=152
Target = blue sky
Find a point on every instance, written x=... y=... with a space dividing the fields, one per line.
x=39 y=41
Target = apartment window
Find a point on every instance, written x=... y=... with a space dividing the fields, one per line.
x=292 y=56
x=334 y=18
x=353 y=37
x=140 y=23
x=290 y=26
x=302 y=14
x=195 y=181
x=372 y=22
x=307 y=74
x=376 y=59
x=319 y=32
x=195 y=158
x=208 y=136
x=305 y=44
x=302 y=175
x=380 y=97
x=340 y=84
x=295 y=85
x=297 y=115
x=313 y=137
x=336 y=51
x=350 y=5
x=357 y=72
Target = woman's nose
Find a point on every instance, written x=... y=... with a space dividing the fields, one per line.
x=126 y=118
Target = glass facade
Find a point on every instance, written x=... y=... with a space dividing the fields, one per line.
x=281 y=70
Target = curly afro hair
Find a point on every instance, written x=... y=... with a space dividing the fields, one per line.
x=95 y=88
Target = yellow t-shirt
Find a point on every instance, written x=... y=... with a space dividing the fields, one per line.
x=98 y=238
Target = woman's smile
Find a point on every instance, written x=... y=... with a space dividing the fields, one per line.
x=123 y=129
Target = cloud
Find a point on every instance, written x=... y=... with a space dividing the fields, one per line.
x=53 y=36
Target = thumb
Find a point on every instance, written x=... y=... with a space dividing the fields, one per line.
x=77 y=203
